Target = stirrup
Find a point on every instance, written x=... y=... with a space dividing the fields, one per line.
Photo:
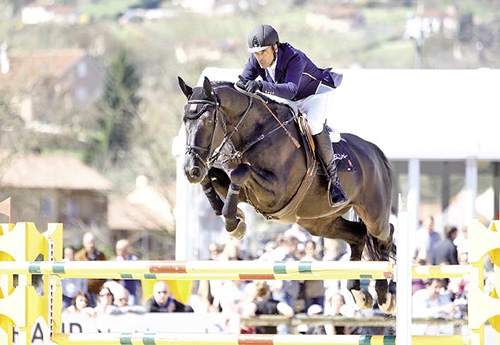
x=336 y=194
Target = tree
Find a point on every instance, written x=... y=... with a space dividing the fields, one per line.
x=118 y=110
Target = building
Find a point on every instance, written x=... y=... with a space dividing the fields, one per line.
x=56 y=189
x=35 y=13
x=39 y=83
x=144 y=217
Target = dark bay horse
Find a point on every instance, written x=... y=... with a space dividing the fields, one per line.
x=246 y=148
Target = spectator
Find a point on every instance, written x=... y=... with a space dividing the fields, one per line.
x=336 y=250
x=80 y=305
x=220 y=289
x=229 y=294
x=215 y=250
x=425 y=241
x=299 y=233
x=446 y=250
x=284 y=290
x=89 y=252
x=163 y=302
x=105 y=302
x=71 y=286
x=122 y=298
x=289 y=291
x=314 y=290
x=418 y=283
x=462 y=242
x=312 y=311
x=133 y=286
x=430 y=302
x=265 y=305
x=265 y=255
x=249 y=294
x=231 y=251
x=336 y=306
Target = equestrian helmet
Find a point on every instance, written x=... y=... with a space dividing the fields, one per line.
x=261 y=37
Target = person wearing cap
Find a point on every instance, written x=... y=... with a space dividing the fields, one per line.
x=288 y=73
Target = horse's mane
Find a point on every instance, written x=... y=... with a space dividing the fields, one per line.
x=272 y=100
x=221 y=83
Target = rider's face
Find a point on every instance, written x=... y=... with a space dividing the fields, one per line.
x=265 y=57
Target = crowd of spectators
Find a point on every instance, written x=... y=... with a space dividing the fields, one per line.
x=432 y=298
x=94 y=297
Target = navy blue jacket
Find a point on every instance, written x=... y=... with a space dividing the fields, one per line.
x=297 y=77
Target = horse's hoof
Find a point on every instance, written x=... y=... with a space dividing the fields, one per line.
x=240 y=231
x=240 y=214
x=389 y=307
x=363 y=299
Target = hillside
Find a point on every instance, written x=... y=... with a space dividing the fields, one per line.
x=185 y=40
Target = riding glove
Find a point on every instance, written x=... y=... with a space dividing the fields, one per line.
x=253 y=85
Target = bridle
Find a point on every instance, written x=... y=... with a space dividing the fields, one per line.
x=237 y=153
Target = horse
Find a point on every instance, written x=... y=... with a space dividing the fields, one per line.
x=249 y=148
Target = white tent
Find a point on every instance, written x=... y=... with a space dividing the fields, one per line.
x=423 y=114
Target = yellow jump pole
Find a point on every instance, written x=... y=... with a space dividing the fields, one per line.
x=198 y=270
x=249 y=339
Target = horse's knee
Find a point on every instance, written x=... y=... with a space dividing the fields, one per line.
x=240 y=174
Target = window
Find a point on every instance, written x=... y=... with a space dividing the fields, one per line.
x=46 y=206
x=81 y=69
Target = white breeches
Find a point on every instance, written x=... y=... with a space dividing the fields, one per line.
x=315 y=107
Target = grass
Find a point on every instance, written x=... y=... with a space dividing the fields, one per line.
x=106 y=8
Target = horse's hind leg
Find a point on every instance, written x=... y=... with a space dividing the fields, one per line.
x=355 y=234
x=235 y=222
x=385 y=297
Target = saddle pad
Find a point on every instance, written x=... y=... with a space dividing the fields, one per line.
x=346 y=160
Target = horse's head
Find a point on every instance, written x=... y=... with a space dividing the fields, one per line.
x=200 y=119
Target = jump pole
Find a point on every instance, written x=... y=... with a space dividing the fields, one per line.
x=204 y=269
x=403 y=275
x=245 y=339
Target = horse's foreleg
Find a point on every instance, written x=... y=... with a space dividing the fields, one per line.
x=235 y=224
x=212 y=196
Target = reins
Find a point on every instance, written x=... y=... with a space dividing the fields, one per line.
x=227 y=136
x=297 y=145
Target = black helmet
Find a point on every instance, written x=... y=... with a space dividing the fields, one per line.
x=261 y=37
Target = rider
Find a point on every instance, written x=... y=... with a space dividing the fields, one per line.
x=288 y=73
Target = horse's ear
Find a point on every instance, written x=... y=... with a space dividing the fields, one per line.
x=208 y=89
x=187 y=90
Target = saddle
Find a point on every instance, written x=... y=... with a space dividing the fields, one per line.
x=346 y=162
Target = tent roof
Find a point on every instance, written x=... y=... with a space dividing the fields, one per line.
x=423 y=114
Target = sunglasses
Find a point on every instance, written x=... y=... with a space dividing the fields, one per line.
x=160 y=292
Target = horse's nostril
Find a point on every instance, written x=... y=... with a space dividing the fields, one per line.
x=195 y=173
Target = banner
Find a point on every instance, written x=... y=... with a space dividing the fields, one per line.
x=150 y=322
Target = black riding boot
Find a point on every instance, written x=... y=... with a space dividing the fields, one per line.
x=324 y=151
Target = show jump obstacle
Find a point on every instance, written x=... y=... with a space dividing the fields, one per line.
x=25 y=252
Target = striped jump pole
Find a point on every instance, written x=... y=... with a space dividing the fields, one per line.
x=248 y=339
x=204 y=269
